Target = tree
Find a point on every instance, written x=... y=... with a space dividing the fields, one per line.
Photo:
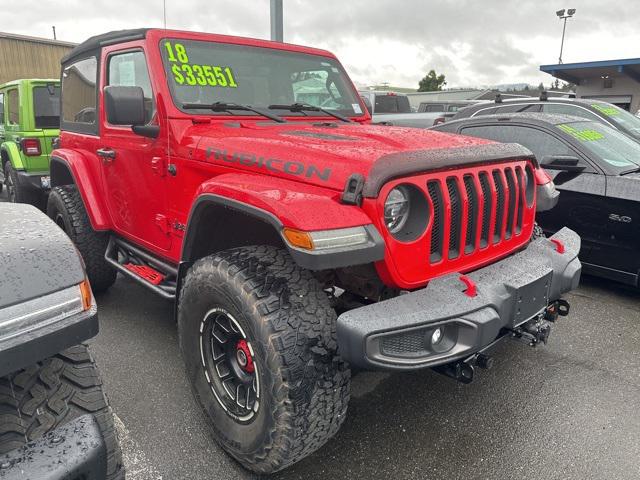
x=431 y=82
x=541 y=86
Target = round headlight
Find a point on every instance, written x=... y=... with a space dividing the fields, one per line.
x=396 y=209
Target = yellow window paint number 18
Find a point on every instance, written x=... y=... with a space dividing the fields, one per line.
x=193 y=74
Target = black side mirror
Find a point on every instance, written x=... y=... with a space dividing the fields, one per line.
x=565 y=163
x=124 y=105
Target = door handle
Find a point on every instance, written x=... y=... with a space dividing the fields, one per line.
x=107 y=154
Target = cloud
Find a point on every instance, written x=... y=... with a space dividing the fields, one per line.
x=473 y=42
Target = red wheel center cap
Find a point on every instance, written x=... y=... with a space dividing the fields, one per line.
x=243 y=356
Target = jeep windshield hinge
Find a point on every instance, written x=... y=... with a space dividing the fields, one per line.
x=352 y=194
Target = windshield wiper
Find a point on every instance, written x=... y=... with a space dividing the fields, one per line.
x=225 y=107
x=303 y=107
x=631 y=170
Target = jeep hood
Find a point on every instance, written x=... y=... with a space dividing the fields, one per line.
x=326 y=154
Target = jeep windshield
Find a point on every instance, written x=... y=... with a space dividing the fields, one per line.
x=201 y=72
x=46 y=106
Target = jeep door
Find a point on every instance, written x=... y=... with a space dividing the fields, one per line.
x=133 y=170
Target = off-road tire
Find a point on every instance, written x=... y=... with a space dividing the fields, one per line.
x=17 y=193
x=65 y=207
x=51 y=393
x=287 y=317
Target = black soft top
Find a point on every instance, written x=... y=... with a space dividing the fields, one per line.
x=98 y=41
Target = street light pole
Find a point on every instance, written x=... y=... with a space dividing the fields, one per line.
x=276 y=21
x=564 y=15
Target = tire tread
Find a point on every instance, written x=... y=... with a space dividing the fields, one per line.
x=92 y=245
x=43 y=396
x=311 y=387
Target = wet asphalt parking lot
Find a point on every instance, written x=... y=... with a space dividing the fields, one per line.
x=570 y=410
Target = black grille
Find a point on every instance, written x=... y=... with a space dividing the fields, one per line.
x=456 y=217
x=486 y=209
x=497 y=228
x=521 y=199
x=472 y=214
x=437 y=230
x=512 y=202
x=465 y=205
x=404 y=345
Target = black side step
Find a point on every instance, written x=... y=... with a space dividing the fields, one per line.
x=120 y=253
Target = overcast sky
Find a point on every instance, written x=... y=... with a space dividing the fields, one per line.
x=473 y=42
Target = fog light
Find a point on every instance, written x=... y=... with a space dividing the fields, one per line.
x=436 y=336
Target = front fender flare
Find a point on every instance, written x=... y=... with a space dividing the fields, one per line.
x=283 y=203
x=11 y=148
x=72 y=167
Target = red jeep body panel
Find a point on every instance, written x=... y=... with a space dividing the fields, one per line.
x=295 y=171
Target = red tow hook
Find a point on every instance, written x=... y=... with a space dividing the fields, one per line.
x=243 y=355
x=471 y=290
x=559 y=245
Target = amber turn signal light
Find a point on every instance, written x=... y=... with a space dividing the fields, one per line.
x=85 y=291
x=298 y=238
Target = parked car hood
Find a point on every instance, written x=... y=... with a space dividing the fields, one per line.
x=322 y=154
x=36 y=257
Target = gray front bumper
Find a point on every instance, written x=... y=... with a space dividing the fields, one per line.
x=395 y=333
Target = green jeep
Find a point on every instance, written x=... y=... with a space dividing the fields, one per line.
x=29 y=121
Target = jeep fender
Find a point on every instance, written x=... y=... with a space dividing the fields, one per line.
x=10 y=149
x=69 y=166
x=279 y=203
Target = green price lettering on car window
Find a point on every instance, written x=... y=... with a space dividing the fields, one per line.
x=212 y=75
x=199 y=72
x=222 y=80
x=176 y=52
x=232 y=81
x=608 y=111
x=191 y=80
x=177 y=74
x=208 y=73
x=583 y=135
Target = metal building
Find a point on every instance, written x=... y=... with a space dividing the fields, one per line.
x=30 y=57
x=614 y=81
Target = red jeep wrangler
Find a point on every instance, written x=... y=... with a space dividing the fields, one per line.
x=241 y=179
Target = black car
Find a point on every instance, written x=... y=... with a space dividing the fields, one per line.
x=595 y=110
x=597 y=170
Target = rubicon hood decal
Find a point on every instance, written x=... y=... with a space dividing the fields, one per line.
x=313 y=154
x=291 y=167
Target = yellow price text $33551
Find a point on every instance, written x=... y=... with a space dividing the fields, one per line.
x=191 y=74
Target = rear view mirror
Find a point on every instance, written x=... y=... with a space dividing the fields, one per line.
x=565 y=163
x=124 y=105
